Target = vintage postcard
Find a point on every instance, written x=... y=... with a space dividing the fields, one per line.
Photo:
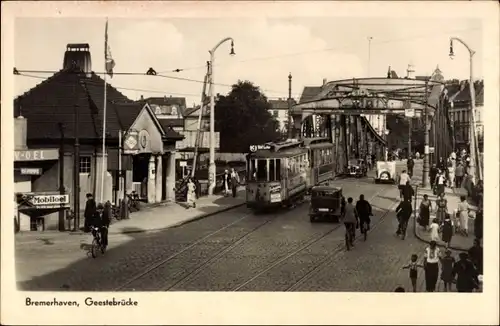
x=249 y=162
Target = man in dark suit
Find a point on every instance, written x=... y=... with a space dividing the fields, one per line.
x=90 y=210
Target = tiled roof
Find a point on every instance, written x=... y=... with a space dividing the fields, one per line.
x=309 y=93
x=462 y=93
x=53 y=101
x=281 y=104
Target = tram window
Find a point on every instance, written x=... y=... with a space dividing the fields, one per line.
x=272 y=170
x=252 y=171
x=261 y=170
x=278 y=169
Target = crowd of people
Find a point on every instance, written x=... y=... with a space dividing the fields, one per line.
x=465 y=271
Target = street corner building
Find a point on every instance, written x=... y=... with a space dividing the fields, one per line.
x=59 y=136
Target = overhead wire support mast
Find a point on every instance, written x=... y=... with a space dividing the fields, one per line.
x=199 y=132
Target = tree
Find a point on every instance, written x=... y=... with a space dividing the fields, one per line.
x=242 y=117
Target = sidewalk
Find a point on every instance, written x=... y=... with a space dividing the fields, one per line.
x=155 y=217
x=458 y=242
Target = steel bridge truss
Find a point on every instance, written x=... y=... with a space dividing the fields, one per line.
x=338 y=112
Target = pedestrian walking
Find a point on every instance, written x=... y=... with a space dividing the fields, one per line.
x=403 y=179
x=90 y=210
x=434 y=229
x=476 y=255
x=459 y=175
x=235 y=181
x=447 y=263
x=191 y=194
x=413 y=266
x=441 y=208
x=463 y=213
x=410 y=164
x=424 y=212
x=447 y=231
x=431 y=266
x=417 y=155
x=451 y=173
x=226 y=182
x=440 y=182
x=442 y=164
x=432 y=176
x=478 y=224
x=466 y=274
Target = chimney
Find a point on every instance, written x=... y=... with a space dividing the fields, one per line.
x=165 y=98
x=77 y=56
x=324 y=81
x=142 y=97
x=389 y=72
x=20 y=130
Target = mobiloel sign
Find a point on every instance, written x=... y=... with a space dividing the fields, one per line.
x=49 y=200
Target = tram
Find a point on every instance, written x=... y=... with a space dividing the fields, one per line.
x=280 y=174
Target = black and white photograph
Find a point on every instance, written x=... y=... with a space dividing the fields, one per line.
x=316 y=152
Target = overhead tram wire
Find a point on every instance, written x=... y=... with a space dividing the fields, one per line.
x=402 y=39
x=153 y=91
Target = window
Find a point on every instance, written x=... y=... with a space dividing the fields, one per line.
x=275 y=113
x=278 y=169
x=85 y=164
x=272 y=176
x=261 y=170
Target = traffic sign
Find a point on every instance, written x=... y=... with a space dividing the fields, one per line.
x=410 y=113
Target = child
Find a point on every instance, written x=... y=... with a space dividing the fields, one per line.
x=434 y=228
x=413 y=266
x=447 y=228
x=447 y=270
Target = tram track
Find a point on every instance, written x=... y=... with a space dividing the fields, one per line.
x=281 y=261
x=128 y=285
x=137 y=281
x=330 y=257
x=191 y=275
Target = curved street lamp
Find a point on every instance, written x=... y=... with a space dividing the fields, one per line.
x=211 y=167
x=472 y=129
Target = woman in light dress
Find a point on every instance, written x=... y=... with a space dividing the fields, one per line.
x=463 y=215
x=191 y=194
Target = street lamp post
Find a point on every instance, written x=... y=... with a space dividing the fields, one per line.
x=425 y=172
x=472 y=129
x=212 y=168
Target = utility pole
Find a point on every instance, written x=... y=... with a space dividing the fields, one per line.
x=76 y=155
x=410 y=126
x=425 y=174
x=290 y=119
x=212 y=168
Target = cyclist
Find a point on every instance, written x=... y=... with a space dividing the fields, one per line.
x=403 y=213
x=101 y=221
x=350 y=219
x=364 y=210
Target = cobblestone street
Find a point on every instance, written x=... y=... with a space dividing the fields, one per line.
x=235 y=250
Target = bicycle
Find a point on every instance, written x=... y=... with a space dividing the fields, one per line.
x=349 y=235
x=97 y=244
x=403 y=225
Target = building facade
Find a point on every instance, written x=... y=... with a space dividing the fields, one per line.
x=279 y=110
x=460 y=113
x=65 y=114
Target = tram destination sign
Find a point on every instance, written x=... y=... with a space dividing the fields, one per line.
x=254 y=148
x=30 y=171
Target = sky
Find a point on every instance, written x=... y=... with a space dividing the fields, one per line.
x=267 y=50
